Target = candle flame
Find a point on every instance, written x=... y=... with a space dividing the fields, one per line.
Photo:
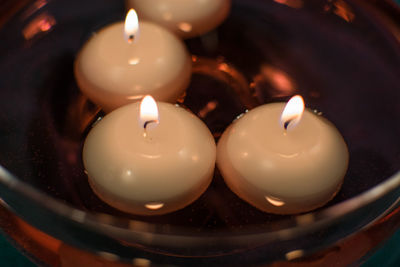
x=292 y=113
x=148 y=111
x=131 y=26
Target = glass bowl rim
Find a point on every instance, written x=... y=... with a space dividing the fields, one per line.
x=100 y=221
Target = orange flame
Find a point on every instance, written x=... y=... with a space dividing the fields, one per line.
x=293 y=112
x=131 y=26
x=148 y=111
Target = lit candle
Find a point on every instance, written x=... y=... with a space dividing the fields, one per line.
x=185 y=18
x=113 y=71
x=283 y=159
x=149 y=159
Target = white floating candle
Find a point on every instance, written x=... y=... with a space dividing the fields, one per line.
x=149 y=164
x=278 y=166
x=185 y=18
x=113 y=71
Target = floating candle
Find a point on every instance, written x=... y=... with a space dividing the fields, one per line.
x=147 y=163
x=113 y=71
x=185 y=18
x=283 y=162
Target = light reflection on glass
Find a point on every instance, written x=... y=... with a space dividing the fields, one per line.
x=227 y=74
x=78 y=216
x=344 y=11
x=109 y=256
x=34 y=8
x=141 y=262
x=40 y=24
x=305 y=219
x=223 y=67
x=211 y=106
x=279 y=80
x=291 y=3
x=341 y=9
x=275 y=201
x=154 y=205
x=294 y=254
x=185 y=27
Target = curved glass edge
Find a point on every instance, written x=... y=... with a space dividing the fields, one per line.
x=112 y=223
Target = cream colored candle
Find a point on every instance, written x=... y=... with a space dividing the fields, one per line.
x=113 y=69
x=186 y=18
x=278 y=166
x=148 y=165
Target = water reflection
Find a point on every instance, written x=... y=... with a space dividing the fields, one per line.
x=291 y=3
x=295 y=254
x=341 y=9
x=35 y=7
x=275 y=201
x=185 y=26
x=154 y=205
x=209 y=107
x=269 y=76
x=40 y=24
x=224 y=72
x=141 y=262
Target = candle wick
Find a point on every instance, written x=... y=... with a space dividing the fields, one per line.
x=145 y=126
x=131 y=38
x=286 y=124
x=148 y=122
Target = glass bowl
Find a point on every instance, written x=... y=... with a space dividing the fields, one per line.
x=343 y=57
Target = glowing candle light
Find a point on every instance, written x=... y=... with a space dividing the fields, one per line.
x=158 y=164
x=293 y=112
x=131 y=26
x=125 y=61
x=283 y=159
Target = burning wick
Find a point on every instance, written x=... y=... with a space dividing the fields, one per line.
x=131 y=38
x=292 y=112
x=286 y=124
x=148 y=122
x=131 y=26
x=148 y=112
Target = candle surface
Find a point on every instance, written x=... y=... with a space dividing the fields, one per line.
x=112 y=71
x=185 y=18
x=151 y=172
x=282 y=171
